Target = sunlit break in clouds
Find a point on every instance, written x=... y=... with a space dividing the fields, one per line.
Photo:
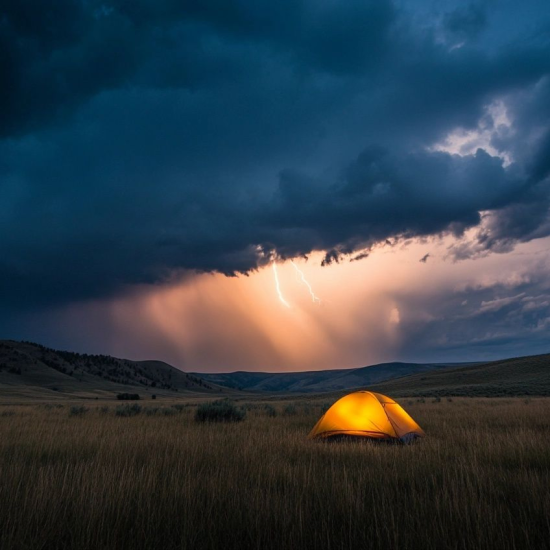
x=283 y=186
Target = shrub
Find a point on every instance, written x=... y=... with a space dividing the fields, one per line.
x=179 y=407
x=77 y=410
x=168 y=411
x=128 y=410
x=151 y=411
x=128 y=396
x=325 y=408
x=153 y=396
x=104 y=410
x=437 y=400
x=219 y=411
x=289 y=410
x=270 y=411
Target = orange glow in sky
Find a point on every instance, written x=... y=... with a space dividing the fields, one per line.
x=211 y=322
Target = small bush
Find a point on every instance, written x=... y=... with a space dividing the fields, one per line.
x=104 y=410
x=151 y=411
x=270 y=411
x=153 y=396
x=252 y=406
x=7 y=413
x=77 y=410
x=437 y=400
x=128 y=410
x=449 y=399
x=290 y=410
x=128 y=396
x=325 y=408
x=179 y=407
x=219 y=411
x=168 y=411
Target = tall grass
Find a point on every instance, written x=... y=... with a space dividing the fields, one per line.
x=480 y=480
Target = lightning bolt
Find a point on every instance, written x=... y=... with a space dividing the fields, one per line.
x=278 y=286
x=314 y=297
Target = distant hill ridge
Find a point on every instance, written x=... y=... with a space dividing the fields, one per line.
x=39 y=369
x=32 y=370
x=525 y=376
x=518 y=376
x=321 y=381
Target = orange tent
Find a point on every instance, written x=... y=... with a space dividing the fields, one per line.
x=367 y=414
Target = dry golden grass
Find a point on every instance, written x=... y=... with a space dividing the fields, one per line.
x=481 y=479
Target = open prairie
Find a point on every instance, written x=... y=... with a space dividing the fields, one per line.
x=87 y=478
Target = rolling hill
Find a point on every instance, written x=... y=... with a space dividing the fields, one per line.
x=320 y=381
x=32 y=370
x=525 y=376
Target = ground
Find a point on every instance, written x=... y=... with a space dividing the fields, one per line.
x=89 y=479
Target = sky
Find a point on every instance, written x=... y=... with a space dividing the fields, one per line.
x=160 y=159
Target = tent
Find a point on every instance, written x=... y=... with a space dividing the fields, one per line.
x=367 y=414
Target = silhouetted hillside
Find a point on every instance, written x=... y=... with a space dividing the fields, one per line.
x=319 y=381
x=34 y=369
x=509 y=377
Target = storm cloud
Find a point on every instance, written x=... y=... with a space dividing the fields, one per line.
x=493 y=319
x=142 y=139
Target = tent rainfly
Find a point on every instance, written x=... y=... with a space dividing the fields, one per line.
x=367 y=414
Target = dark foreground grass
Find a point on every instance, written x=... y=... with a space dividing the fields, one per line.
x=481 y=479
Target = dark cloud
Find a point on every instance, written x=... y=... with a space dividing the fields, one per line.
x=143 y=138
x=483 y=321
x=360 y=256
x=466 y=21
x=59 y=55
x=527 y=215
x=383 y=195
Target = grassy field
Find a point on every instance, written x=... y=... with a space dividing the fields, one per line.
x=94 y=480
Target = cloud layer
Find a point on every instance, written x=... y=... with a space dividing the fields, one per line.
x=144 y=138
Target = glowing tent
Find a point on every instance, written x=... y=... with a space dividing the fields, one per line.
x=367 y=414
